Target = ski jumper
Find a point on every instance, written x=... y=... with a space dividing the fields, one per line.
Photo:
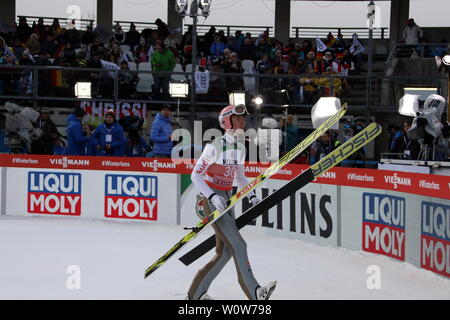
x=220 y=164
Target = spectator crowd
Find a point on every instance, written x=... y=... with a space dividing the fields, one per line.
x=165 y=51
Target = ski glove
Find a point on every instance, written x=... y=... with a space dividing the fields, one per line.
x=255 y=200
x=217 y=201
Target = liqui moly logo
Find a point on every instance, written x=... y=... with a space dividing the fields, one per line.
x=131 y=197
x=54 y=193
x=435 y=238
x=384 y=225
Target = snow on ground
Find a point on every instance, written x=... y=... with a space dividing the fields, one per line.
x=35 y=253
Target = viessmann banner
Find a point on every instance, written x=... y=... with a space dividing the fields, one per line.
x=413 y=183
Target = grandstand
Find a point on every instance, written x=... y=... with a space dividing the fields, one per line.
x=46 y=71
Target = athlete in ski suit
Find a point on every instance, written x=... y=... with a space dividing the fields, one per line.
x=221 y=163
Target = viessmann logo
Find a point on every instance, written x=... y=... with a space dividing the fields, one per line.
x=54 y=193
x=384 y=225
x=435 y=238
x=396 y=181
x=155 y=165
x=131 y=197
x=66 y=162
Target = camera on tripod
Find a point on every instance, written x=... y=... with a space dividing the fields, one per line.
x=19 y=130
x=427 y=127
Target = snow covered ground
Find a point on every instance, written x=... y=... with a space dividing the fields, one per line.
x=36 y=253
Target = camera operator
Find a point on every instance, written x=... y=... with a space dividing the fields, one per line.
x=409 y=147
x=50 y=134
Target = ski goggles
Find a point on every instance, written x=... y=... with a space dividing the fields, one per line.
x=240 y=110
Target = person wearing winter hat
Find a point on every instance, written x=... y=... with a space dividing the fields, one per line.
x=109 y=137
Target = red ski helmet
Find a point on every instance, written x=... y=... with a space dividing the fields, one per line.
x=227 y=112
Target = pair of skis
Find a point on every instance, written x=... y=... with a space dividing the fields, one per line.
x=322 y=166
x=334 y=158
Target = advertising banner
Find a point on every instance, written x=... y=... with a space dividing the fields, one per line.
x=56 y=193
x=384 y=225
x=93 y=194
x=309 y=214
x=435 y=238
x=131 y=197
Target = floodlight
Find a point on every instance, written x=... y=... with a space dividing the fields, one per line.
x=181 y=6
x=178 y=89
x=446 y=60
x=323 y=110
x=258 y=101
x=409 y=105
x=205 y=6
x=83 y=90
x=237 y=98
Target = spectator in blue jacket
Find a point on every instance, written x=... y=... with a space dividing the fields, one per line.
x=161 y=133
x=109 y=137
x=217 y=47
x=77 y=137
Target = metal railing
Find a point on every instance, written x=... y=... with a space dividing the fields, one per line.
x=296 y=32
x=81 y=24
x=43 y=84
x=231 y=30
x=139 y=25
x=347 y=32
x=418 y=50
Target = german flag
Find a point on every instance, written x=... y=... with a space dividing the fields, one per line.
x=56 y=78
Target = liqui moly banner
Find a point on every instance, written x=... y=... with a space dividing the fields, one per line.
x=384 y=225
x=131 y=197
x=435 y=238
x=54 y=193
